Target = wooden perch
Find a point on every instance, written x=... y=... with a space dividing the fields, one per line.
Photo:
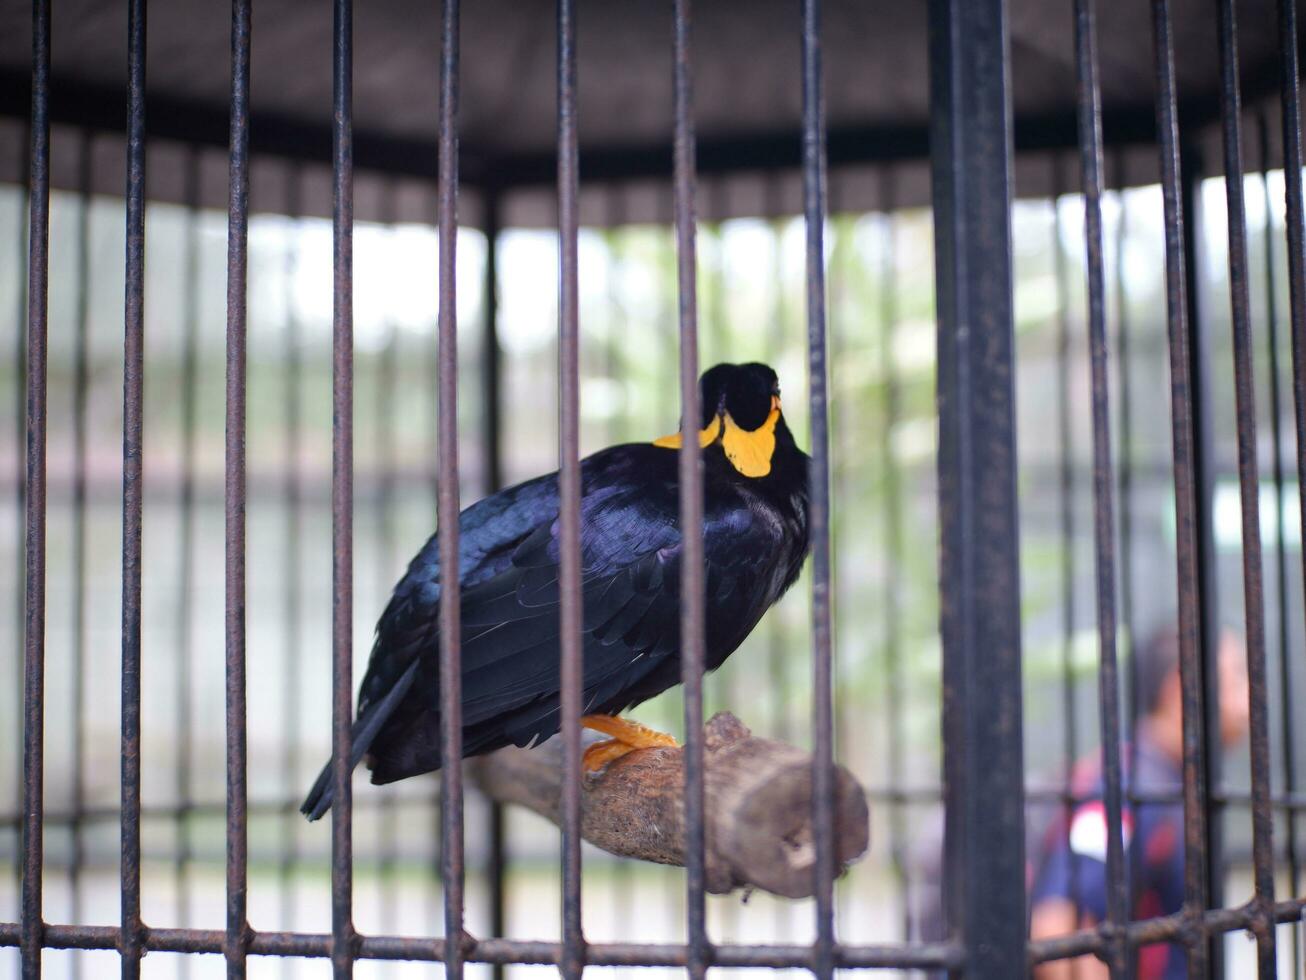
x=758 y=795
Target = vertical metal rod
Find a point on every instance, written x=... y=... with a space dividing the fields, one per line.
x=1066 y=501
x=1090 y=156
x=183 y=785
x=777 y=652
x=234 y=495
x=1295 y=231
x=814 y=207
x=1286 y=729
x=20 y=495
x=693 y=607
x=38 y=276
x=292 y=501
x=77 y=624
x=344 y=939
x=979 y=530
x=1192 y=168
x=492 y=481
x=386 y=383
x=451 y=718
x=573 y=953
x=893 y=542
x=1125 y=367
x=491 y=354
x=132 y=947
x=1186 y=531
x=1249 y=485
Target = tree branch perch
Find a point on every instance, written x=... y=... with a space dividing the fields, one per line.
x=758 y=795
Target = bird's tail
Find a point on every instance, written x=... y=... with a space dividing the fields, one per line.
x=361 y=737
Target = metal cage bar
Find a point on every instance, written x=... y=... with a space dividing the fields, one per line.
x=1181 y=410
x=1283 y=629
x=343 y=937
x=78 y=599
x=1090 y=143
x=447 y=497
x=133 y=500
x=234 y=495
x=693 y=607
x=1249 y=484
x=815 y=206
x=38 y=281
x=979 y=535
x=183 y=785
x=569 y=492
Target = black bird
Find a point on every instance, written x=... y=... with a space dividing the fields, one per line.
x=755 y=540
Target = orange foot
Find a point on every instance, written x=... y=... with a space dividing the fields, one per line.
x=627 y=736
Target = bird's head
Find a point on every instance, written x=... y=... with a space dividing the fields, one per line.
x=741 y=411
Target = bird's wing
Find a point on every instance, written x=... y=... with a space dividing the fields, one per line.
x=630 y=583
x=489 y=531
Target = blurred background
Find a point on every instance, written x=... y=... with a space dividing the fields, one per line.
x=751 y=289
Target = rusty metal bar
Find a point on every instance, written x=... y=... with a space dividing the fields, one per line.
x=38 y=280
x=1190 y=671
x=385 y=387
x=77 y=604
x=1090 y=147
x=1249 y=485
x=183 y=785
x=292 y=496
x=1295 y=231
x=451 y=709
x=569 y=573
x=895 y=743
x=234 y=503
x=492 y=480
x=1124 y=330
x=1066 y=484
x=343 y=937
x=503 y=951
x=693 y=605
x=20 y=504
x=133 y=411
x=1177 y=928
x=814 y=208
x=979 y=531
x=1283 y=638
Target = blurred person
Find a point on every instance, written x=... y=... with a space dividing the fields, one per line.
x=1069 y=889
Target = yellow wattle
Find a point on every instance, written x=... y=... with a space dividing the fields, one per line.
x=750 y=452
x=705 y=437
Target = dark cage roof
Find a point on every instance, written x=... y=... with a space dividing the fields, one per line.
x=747 y=90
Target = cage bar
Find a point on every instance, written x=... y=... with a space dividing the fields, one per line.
x=78 y=599
x=447 y=497
x=818 y=516
x=343 y=937
x=234 y=496
x=492 y=480
x=569 y=490
x=693 y=605
x=1090 y=142
x=1283 y=630
x=38 y=280
x=292 y=498
x=133 y=495
x=1185 y=491
x=182 y=783
x=979 y=536
x=1249 y=484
